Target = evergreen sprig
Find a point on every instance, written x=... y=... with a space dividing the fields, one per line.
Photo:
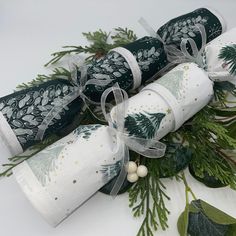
x=57 y=73
x=206 y=135
x=222 y=90
x=123 y=36
x=16 y=160
x=98 y=46
x=147 y=198
x=207 y=139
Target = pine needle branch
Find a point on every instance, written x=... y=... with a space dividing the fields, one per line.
x=57 y=73
x=16 y=160
x=99 y=45
x=123 y=36
x=147 y=198
x=57 y=56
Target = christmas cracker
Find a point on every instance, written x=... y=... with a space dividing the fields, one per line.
x=64 y=175
x=22 y=113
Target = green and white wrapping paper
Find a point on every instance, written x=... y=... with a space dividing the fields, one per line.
x=64 y=175
x=163 y=106
x=22 y=113
x=217 y=67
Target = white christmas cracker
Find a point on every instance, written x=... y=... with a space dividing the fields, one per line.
x=177 y=96
x=30 y=115
x=64 y=175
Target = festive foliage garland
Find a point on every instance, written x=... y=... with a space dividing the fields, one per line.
x=205 y=144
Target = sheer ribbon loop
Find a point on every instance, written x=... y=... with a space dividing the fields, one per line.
x=150 y=148
x=175 y=55
x=78 y=91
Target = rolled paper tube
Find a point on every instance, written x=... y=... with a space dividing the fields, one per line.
x=60 y=178
x=218 y=57
x=163 y=106
x=22 y=113
x=64 y=175
x=183 y=26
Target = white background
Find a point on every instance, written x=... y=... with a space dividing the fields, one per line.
x=29 y=32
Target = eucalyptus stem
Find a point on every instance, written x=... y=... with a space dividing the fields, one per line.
x=187 y=188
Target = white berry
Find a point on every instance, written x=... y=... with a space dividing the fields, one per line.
x=142 y=171
x=131 y=167
x=133 y=177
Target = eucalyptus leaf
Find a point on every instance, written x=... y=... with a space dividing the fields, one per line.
x=177 y=158
x=209 y=181
x=205 y=220
x=106 y=189
x=216 y=215
x=182 y=223
x=224 y=85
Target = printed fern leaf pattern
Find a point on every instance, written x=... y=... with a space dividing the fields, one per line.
x=143 y=125
x=110 y=171
x=181 y=29
x=147 y=57
x=113 y=67
x=25 y=110
x=44 y=163
x=108 y=69
x=85 y=131
x=228 y=54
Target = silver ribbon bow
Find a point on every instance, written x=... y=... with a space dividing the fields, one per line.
x=150 y=148
x=175 y=55
x=78 y=91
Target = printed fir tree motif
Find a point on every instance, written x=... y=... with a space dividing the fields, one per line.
x=44 y=163
x=143 y=125
x=85 y=131
x=173 y=81
x=110 y=171
x=228 y=54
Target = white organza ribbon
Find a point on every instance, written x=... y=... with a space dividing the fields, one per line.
x=150 y=148
x=133 y=64
x=170 y=99
x=79 y=87
x=78 y=90
x=178 y=56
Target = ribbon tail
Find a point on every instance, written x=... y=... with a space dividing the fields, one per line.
x=53 y=113
x=123 y=173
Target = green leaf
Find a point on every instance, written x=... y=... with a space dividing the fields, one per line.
x=106 y=189
x=232 y=230
x=216 y=215
x=182 y=223
x=224 y=86
x=208 y=220
x=209 y=181
x=177 y=158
